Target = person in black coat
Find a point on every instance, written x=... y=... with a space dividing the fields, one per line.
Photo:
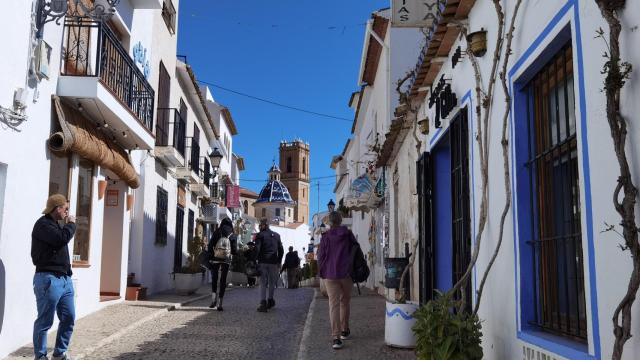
x=222 y=245
x=291 y=264
x=52 y=283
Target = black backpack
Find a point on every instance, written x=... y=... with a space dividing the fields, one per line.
x=359 y=268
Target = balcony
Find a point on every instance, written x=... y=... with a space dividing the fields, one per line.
x=98 y=74
x=170 y=137
x=190 y=171
x=199 y=189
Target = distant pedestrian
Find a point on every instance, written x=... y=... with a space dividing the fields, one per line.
x=52 y=281
x=290 y=267
x=222 y=246
x=269 y=255
x=334 y=261
x=250 y=255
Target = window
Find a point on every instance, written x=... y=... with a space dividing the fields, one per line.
x=303 y=192
x=245 y=204
x=555 y=242
x=59 y=175
x=264 y=212
x=161 y=216
x=289 y=212
x=277 y=212
x=304 y=165
x=177 y=254
x=82 y=236
x=190 y=225
x=195 y=150
x=169 y=15
x=164 y=113
x=289 y=167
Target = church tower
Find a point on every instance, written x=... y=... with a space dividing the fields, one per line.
x=294 y=164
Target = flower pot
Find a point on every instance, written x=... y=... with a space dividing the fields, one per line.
x=102 y=188
x=398 y=325
x=135 y=293
x=187 y=284
x=477 y=42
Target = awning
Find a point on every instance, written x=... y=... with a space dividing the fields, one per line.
x=80 y=136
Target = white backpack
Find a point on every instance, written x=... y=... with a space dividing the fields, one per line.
x=222 y=251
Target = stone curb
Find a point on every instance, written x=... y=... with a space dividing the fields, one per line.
x=306 y=334
x=117 y=335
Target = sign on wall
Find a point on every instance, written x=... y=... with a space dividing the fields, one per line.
x=112 y=197
x=233 y=196
x=415 y=13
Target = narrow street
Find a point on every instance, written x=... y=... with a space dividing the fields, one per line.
x=197 y=332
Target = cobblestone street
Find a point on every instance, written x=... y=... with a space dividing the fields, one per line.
x=239 y=332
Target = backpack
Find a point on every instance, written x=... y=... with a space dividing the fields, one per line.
x=222 y=250
x=359 y=268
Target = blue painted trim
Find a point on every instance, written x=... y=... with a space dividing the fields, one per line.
x=435 y=136
x=556 y=345
x=587 y=184
x=553 y=344
x=403 y=314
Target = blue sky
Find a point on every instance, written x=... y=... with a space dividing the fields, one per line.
x=300 y=53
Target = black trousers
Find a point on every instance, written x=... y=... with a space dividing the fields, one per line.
x=223 y=268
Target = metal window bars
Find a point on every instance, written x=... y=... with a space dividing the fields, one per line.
x=177 y=128
x=556 y=244
x=91 y=49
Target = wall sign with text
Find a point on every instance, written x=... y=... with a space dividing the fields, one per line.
x=444 y=99
x=415 y=13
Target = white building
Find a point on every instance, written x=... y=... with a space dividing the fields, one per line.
x=559 y=276
x=362 y=169
x=106 y=128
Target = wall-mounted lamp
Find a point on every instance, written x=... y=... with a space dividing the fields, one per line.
x=215 y=156
x=331 y=205
x=477 y=42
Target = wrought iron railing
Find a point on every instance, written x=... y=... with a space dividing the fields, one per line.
x=91 y=49
x=195 y=156
x=177 y=127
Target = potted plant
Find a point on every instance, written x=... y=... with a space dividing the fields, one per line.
x=399 y=317
x=443 y=333
x=189 y=278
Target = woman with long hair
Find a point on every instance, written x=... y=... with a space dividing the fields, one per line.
x=222 y=246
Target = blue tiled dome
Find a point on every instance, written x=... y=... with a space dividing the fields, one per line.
x=275 y=191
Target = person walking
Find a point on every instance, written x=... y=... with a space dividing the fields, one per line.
x=222 y=246
x=290 y=267
x=269 y=254
x=334 y=261
x=52 y=284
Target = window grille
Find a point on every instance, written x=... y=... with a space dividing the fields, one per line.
x=161 y=216
x=177 y=257
x=556 y=246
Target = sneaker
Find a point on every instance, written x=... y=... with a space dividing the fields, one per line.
x=345 y=335
x=337 y=344
x=271 y=303
x=63 y=356
x=43 y=357
x=263 y=306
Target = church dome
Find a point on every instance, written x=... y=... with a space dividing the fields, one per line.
x=275 y=191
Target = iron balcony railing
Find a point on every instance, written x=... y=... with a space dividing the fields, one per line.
x=177 y=127
x=91 y=49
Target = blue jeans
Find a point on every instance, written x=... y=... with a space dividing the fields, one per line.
x=268 y=279
x=54 y=294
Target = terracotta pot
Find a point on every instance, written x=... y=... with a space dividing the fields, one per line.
x=477 y=42
x=102 y=188
x=129 y=201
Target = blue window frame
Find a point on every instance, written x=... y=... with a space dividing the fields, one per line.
x=551 y=256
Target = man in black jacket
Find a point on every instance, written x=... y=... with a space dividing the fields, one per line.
x=269 y=252
x=52 y=281
x=291 y=264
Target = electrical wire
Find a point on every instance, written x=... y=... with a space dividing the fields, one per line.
x=275 y=103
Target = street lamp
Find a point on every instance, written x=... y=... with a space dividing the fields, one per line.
x=331 y=205
x=215 y=156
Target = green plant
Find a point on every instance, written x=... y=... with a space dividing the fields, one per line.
x=444 y=334
x=306 y=271
x=313 y=267
x=194 y=248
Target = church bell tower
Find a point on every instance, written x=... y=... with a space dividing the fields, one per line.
x=294 y=164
